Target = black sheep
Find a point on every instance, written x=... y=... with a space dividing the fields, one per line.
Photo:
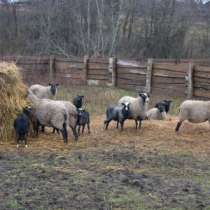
x=30 y=112
x=21 y=126
x=83 y=120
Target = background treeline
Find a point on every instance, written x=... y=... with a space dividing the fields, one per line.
x=123 y=28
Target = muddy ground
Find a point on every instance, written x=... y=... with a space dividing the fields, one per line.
x=148 y=169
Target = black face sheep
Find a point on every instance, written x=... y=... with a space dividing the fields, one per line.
x=83 y=120
x=194 y=111
x=21 y=126
x=78 y=101
x=157 y=113
x=41 y=91
x=165 y=103
x=50 y=113
x=117 y=113
x=34 y=123
x=138 y=107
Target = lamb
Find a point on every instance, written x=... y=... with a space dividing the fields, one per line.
x=165 y=103
x=30 y=112
x=78 y=101
x=83 y=120
x=117 y=113
x=195 y=111
x=157 y=113
x=21 y=126
x=138 y=107
x=50 y=113
x=47 y=92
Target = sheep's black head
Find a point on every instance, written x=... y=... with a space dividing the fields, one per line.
x=161 y=107
x=145 y=97
x=126 y=109
x=165 y=103
x=78 y=101
x=53 y=88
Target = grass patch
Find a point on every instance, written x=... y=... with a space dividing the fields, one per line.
x=98 y=98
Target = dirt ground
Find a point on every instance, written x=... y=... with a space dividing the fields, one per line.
x=152 y=168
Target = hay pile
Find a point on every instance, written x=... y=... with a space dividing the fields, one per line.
x=12 y=98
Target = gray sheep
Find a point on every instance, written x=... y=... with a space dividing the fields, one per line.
x=50 y=113
x=117 y=113
x=194 y=111
x=138 y=107
x=47 y=92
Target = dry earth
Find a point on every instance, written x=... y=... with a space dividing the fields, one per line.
x=152 y=168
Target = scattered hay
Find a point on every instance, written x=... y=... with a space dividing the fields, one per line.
x=12 y=98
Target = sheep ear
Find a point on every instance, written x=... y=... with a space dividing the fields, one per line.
x=49 y=84
x=56 y=84
x=123 y=104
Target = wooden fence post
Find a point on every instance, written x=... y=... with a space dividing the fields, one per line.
x=52 y=68
x=86 y=60
x=149 y=75
x=113 y=70
x=190 y=80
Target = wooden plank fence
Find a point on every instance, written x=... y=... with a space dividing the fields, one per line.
x=185 y=78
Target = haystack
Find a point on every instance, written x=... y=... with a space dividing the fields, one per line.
x=12 y=98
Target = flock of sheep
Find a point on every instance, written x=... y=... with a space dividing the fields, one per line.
x=45 y=111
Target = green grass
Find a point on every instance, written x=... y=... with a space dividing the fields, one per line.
x=98 y=98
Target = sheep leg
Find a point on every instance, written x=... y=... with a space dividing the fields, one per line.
x=36 y=128
x=83 y=128
x=122 y=124
x=117 y=125
x=42 y=128
x=57 y=130
x=106 y=122
x=18 y=140
x=53 y=130
x=74 y=130
x=64 y=133
x=140 y=122
x=79 y=130
x=136 y=121
x=178 y=126
x=25 y=139
x=88 y=126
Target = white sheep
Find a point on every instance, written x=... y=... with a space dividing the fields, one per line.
x=48 y=92
x=157 y=113
x=195 y=111
x=138 y=107
x=50 y=113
